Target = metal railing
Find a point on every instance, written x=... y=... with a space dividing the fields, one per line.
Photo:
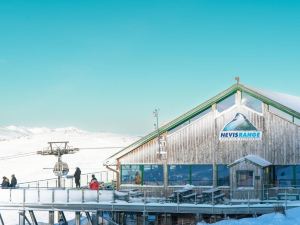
x=194 y=196
x=107 y=177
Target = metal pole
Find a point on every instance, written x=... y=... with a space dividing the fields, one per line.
x=32 y=216
x=77 y=218
x=1 y=220
x=51 y=217
x=22 y=217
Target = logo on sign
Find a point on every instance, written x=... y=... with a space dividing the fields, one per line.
x=240 y=128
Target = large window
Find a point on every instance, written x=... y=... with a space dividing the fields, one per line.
x=297 y=121
x=153 y=175
x=244 y=178
x=197 y=116
x=179 y=174
x=200 y=115
x=131 y=174
x=223 y=175
x=251 y=102
x=202 y=175
x=226 y=103
x=284 y=176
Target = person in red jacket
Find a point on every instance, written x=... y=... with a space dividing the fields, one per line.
x=94 y=184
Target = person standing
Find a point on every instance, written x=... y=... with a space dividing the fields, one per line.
x=77 y=175
x=13 y=181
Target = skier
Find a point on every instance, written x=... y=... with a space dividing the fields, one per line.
x=77 y=177
x=13 y=181
x=94 y=184
x=5 y=183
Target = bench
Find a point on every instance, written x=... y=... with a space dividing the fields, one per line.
x=219 y=197
x=189 y=197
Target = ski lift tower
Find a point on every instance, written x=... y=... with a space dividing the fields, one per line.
x=58 y=149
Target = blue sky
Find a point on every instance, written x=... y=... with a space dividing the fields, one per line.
x=105 y=65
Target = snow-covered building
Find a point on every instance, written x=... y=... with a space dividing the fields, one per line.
x=243 y=138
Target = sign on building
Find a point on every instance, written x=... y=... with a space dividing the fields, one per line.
x=240 y=129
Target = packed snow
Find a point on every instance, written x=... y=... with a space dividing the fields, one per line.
x=291 y=218
x=16 y=141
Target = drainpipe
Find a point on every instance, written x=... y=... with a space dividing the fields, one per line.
x=117 y=174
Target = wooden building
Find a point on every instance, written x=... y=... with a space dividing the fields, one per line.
x=243 y=138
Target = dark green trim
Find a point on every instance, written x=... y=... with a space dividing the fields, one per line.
x=200 y=108
x=142 y=174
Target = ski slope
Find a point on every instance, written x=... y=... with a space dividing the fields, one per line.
x=15 y=141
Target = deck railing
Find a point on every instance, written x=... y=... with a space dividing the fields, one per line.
x=69 y=181
x=70 y=195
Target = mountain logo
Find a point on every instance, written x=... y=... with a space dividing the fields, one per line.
x=240 y=128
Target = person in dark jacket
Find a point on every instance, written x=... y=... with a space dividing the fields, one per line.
x=13 y=181
x=5 y=182
x=77 y=177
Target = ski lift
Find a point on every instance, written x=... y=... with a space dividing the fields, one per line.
x=61 y=169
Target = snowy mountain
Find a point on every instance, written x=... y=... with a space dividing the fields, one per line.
x=16 y=141
x=240 y=122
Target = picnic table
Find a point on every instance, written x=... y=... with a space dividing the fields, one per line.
x=182 y=195
x=213 y=195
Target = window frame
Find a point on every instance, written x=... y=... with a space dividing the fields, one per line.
x=237 y=179
x=248 y=107
x=218 y=184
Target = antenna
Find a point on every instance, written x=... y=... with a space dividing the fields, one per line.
x=58 y=149
x=160 y=140
x=237 y=80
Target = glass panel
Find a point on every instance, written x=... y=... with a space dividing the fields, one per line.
x=153 y=175
x=251 y=102
x=226 y=103
x=201 y=114
x=280 y=113
x=179 y=127
x=131 y=174
x=202 y=175
x=297 y=121
x=223 y=175
x=284 y=176
x=244 y=178
x=179 y=174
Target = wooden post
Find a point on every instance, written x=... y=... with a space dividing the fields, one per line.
x=51 y=217
x=22 y=217
x=77 y=218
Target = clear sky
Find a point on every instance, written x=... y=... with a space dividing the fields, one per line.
x=105 y=65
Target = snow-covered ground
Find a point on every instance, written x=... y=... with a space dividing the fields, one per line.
x=19 y=140
x=292 y=218
x=22 y=140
